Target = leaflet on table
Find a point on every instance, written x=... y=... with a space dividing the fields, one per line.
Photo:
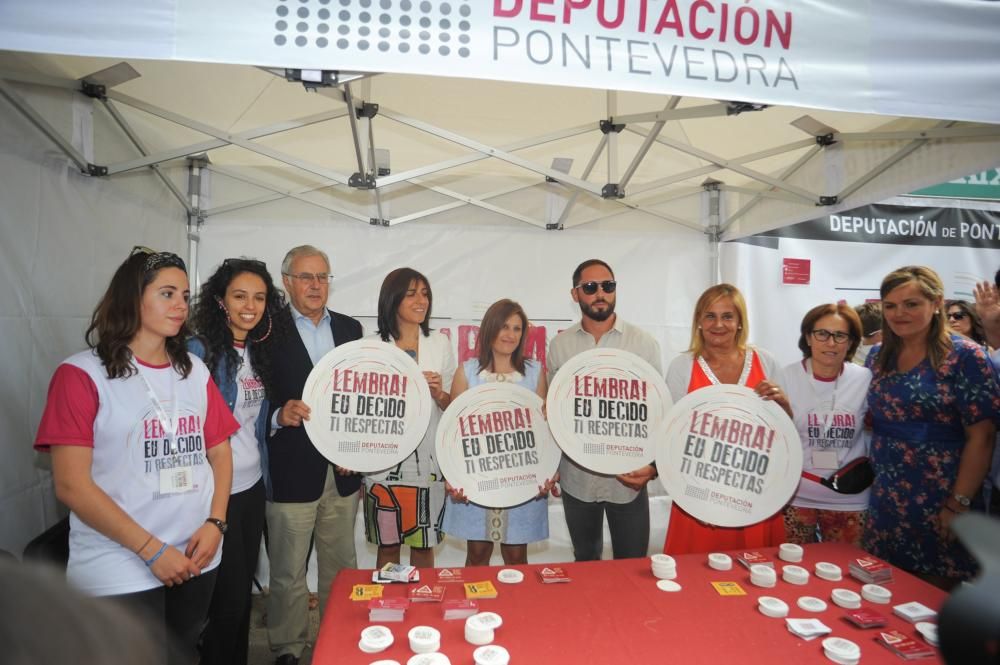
x=607 y=408
x=474 y=590
x=553 y=574
x=451 y=575
x=866 y=618
x=427 y=593
x=366 y=591
x=904 y=646
x=370 y=405
x=494 y=444
x=729 y=458
x=754 y=558
x=459 y=609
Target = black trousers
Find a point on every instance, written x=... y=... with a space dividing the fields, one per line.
x=627 y=522
x=176 y=615
x=226 y=638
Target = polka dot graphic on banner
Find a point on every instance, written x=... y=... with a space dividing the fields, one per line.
x=607 y=408
x=370 y=405
x=494 y=444
x=729 y=458
x=422 y=27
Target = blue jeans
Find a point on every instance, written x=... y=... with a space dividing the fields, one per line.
x=627 y=522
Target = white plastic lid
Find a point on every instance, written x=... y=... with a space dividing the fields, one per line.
x=493 y=654
x=811 y=604
x=772 y=607
x=876 y=593
x=841 y=648
x=828 y=571
x=663 y=560
x=384 y=662
x=928 y=630
x=668 y=585
x=760 y=570
x=719 y=561
x=510 y=576
x=790 y=552
x=370 y=649
x=429 y=659
x=376 y=637
x=479 y=637
x=424 y=639
x=484 y=620
x=665 y=574
x=795 y=575
x=846 y=598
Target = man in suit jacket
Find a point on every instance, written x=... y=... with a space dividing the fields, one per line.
x=308 y=495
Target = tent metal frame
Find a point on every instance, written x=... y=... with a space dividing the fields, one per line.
x=361 y=115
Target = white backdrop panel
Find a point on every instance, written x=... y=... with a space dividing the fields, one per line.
x=840 y=271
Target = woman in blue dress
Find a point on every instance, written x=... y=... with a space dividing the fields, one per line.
x=933 y=401
x=501 y=345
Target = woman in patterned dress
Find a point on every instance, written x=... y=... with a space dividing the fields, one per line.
x=501 y=343
x=933 y=401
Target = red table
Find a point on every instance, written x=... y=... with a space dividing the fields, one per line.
x=612 y=612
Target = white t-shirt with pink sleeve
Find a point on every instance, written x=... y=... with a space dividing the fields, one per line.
x=163 y=481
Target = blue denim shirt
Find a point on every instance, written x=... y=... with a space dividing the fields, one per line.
x=226 y=381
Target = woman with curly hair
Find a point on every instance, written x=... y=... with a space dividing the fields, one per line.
x=233 y=316
x=139 y=437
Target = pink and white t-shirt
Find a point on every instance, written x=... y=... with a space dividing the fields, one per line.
x=246 y=454
x=163 y=482
x=830 y=418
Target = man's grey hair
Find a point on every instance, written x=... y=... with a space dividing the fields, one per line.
x=302 y=251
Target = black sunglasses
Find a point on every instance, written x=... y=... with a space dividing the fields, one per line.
x=156 y=260
x=241 y=263
x=590 y=288
x=956 y=316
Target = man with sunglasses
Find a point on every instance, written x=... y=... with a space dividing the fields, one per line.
x=307 y=495
x=589 y=496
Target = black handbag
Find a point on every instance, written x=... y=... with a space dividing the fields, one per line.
x=852 y=478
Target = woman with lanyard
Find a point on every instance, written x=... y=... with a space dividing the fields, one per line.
x=233 y=316
x=829 y=397
x=933 y=400
x=719 y=353
x=500 y=359
x=139 y=437
x=403 y=504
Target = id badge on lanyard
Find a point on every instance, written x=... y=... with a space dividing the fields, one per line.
x=179 y=479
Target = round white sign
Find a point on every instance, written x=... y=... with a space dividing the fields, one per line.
x=494 y=443
x=370 y=405
x=606 y=409
x=728 y=457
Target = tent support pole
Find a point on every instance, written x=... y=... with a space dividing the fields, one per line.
x=44 y=127
x=713 y=191
x=197 y=169
x=586 y=173
x=141 y=147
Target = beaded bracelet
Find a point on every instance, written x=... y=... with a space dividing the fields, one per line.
x=151 y=561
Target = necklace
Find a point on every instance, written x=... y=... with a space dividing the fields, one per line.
x=747 y=363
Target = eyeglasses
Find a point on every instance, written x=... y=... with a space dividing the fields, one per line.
x=821 y=335
x=956 y=316
x=156 y=260
x=590 y=288
x=309 y=278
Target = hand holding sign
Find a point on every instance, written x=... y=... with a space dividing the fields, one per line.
x=729 y=458
x=369 y=406
x=494 y=446
x=606 y=408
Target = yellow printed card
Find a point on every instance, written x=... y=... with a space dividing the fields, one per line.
x=366 y=591
x=729 y=589
x=475 y=590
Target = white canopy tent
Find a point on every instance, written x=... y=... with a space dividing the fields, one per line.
x=475 y=169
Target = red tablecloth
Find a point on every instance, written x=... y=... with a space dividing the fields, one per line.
x=612 y=612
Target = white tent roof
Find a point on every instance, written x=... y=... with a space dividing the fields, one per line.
x=491 y=143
